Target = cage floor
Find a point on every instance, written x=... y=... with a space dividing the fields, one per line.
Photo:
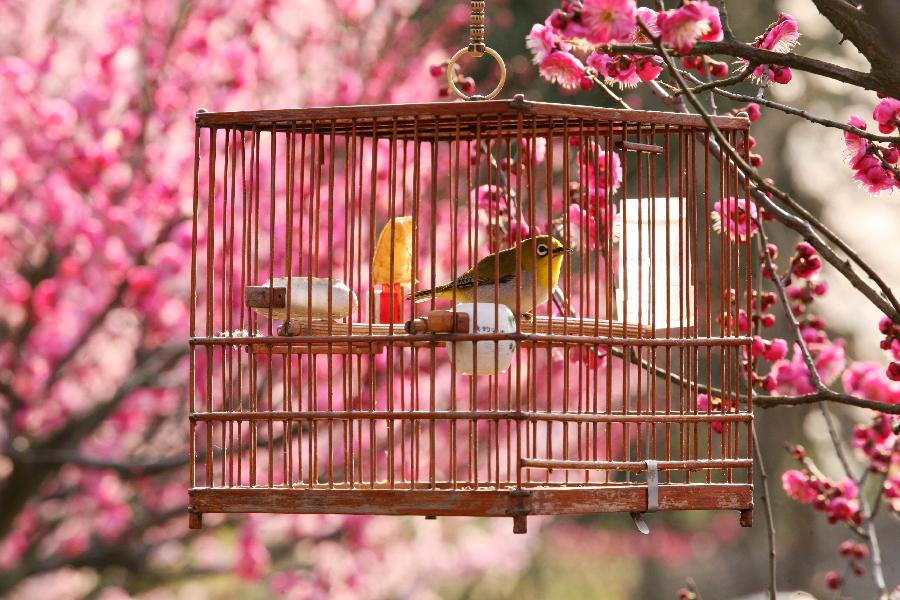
x=538 y=499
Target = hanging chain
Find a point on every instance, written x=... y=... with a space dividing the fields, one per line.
x=476 y=48
x=476 y=28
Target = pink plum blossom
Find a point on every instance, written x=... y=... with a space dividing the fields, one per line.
x=608 y=20
x=542 y=40
x=738 y=219
x=648 y=17
x=707 y=405
x=862 y=156
x=797 y=485
x=489 y=197
x=867 y=380
x=872 y=175
x=805 y=263
x=887 y=115
x=694 y=20
x=562 y=68
x=781 y=36
x=627 y=71
x=604 y=171
x=892 y=492
x=854 y=145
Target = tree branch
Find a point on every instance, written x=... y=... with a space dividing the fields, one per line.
x=805 y=224
x=126 y=469
x=759 y=56
x=825 y=396
x=25 y=480
x=872 y=28
x=116 y=299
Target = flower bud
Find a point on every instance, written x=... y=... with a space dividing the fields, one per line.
x=718 y=69
x=558 y=20
x=891 y=155
x=833 y=580
x=893 y=371
x=753 y=111
x=781 y=75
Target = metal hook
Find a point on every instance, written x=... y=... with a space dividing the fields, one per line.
x=652 y=497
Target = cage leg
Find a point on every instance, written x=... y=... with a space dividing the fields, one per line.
x=747 y=517
x=520 y=524
x=195 y=519
x=431 y=517
x=519 y=507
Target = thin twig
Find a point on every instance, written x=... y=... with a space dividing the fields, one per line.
x=664 y=374
x=797 y=112
x=616 y=98
x=770 y=521
x=718 y=83
x=874 y=547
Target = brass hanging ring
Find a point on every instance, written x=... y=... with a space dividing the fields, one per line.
x=490 y=51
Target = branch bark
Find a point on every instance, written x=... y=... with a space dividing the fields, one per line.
x=770 y=521
x=825 y=396
x=759 y=56
x=25 y=480
x=872 y=28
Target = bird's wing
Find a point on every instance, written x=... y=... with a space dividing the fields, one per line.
x=484 y=273
x=487 y=268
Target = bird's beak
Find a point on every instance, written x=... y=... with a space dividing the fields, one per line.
x=561 y=249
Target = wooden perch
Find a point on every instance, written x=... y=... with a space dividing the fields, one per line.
x=262 y=296
x=439 y=321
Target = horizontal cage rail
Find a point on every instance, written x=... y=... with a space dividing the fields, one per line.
x=539 y=324
x=481 y=337
x=480 y=415
x=634 y=466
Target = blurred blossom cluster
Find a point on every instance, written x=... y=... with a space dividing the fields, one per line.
x=96 y=175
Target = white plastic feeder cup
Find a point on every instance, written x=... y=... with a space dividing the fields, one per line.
x=494 y=357
x=650 y=235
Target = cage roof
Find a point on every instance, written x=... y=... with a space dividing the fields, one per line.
x=463 y=120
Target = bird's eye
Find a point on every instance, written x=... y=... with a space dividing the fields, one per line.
x=542 y=249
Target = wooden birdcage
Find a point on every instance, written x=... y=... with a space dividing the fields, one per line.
x=331 y=390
